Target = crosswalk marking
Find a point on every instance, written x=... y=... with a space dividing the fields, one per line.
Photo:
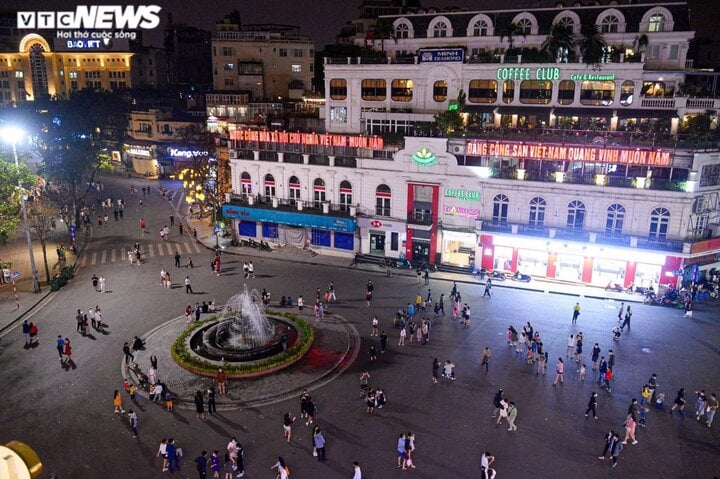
x=103 y=256
x=161 y=251
x=170 y=249
x=151 y=252
x=197 y=248
x=112 y=255
x=187 y=248
x=94 y=258
x=119 y=255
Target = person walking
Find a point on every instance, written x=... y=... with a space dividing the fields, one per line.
x=177 y=259
x=383 y=342
x=488 y=287
x=221 y=379
x=129 y=357
x=679 y=401
x=616 y=450
x=374 y=327
x=559 y=371
x=60 y=346
x=570 y=346
x=358 y=473
x=712 y=407
x=498 y=403
x=67 y=352
x=628 y=316
x=95 y=281
x=609 y=443
x=26 y=332
x=700 y=404
x=319 y=444
x=401 y=451
x=283 y=471
x=364 y=378
x=117 y=402
x=602 y=368
x=592 y=405
x=162 y=452
x=288 y=420
x=403 y=334
x=576 y=313
x=630 y=425
x=595 y=356
x=608 y=379
x=485 y=358
x=435 y=370
x=102 y=284
x=173 y=458
x=511 y=416
x=188 y=287
x=211 y=401
x=251 y=270
x=201 y=463
x=133 y=423
x=200 y=405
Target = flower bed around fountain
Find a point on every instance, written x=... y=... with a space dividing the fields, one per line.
x=261 y=360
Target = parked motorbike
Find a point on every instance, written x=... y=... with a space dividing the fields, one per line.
x=614 y=287
x=497 y=276
x=523 y=278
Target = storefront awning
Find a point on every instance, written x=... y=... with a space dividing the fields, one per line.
x=457 y=229
x=524 y=110
x=306 y=220
x=479 y=108
x=643 y=113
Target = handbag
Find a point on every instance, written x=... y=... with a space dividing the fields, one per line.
x=315 y=452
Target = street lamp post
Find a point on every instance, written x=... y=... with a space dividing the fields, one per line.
x=12 y=136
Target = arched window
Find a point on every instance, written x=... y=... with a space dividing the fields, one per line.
x=318 y=192
x=524 y=26
x=440 y=30
x=656 y=23
x=659 y=221
x=402 y=31
x=615 y=219
x=500 y=209
x=345 y=195
x=269 y=187
x=567 y=22
x=609 y=24
x=245 y=184
x=627 y=91
x=537 y=212
x=440 y=90
x=480 y=28
x=576 y=215
x=294 y=189
x=382 y=200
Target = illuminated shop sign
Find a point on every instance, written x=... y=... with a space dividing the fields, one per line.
x=359 y=141
x=520 y=73
x=138 y=151
x=582 y=153
x=441 y=55
x=462 y=194
x=459 y=211
x=181 y=153
x=547 y=73
x=424 y=157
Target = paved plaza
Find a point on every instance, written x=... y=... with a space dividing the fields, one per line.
x=66 y=413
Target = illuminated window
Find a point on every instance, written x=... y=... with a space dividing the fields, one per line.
x=296 y=68
x=537 y=92
x=615 y=218
x=627 y=91
x=229 y=67
x=269 y=187
x=598 y=93
x=659 y=221
x=401 y=90
x=656 y=23
x=318 y=192
x=338 y=114
x=508 y=93
x=576 y=215
x=500 y=209
x=440 y=30
x=246 y=184
x=537 y=212
x=566 y=92
x=440 y=90
x=382 y=200
x=373 y=90
x=650 y=88
x=482 y=91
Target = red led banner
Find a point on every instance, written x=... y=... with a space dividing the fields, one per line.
x=369 y=142
x=582 y=153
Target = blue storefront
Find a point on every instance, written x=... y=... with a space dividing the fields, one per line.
x=296 y=229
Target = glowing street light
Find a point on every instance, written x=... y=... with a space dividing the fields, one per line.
x=13 y=136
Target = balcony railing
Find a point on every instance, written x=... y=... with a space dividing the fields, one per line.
x=288 y=205
x=571 y=234
x=419 y=219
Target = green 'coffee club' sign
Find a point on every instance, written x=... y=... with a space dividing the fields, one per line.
x=462 y=194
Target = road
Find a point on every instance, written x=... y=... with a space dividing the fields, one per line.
x=67 y=413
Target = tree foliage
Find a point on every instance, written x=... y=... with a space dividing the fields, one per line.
x=560 y=42
x=510 y=31
x=41 y=220
x=10 y=194
x=592 y=44
x=451 y=120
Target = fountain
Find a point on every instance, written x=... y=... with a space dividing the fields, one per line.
x=243 y=332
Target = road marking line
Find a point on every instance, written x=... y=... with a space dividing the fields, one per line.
x=94 y=258
x=187 y=248
x=161 y=250
x=151 y=253
x=169 y=248
x=112 y=255
x=197 y=248
x=103 y=256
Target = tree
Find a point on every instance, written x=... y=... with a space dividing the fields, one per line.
x=592 y=44
x=510 y=31
x=383 y=30
x=560 y=42
x=72 y=135
x=452 y=119
x=41 y=221
x=10 y=195
x=641 y=42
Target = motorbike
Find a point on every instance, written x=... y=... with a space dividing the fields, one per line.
x=614 y=287
x=497 y=276
x=523 y=278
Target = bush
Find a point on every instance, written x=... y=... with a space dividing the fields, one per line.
x=185 y=358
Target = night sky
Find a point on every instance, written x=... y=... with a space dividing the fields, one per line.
x=319 y=19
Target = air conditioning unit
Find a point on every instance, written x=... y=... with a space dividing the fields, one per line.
x=459 y=149
x=227 y=197
x=233 y=154
x=353 y=211
x=326 y=207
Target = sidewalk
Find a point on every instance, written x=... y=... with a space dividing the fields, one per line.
x=207 y=239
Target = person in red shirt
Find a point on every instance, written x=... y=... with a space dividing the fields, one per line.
x=67 y=352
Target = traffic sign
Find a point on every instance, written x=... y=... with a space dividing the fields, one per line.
x=16 y=274
x=73 y=231
x=216 y=230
